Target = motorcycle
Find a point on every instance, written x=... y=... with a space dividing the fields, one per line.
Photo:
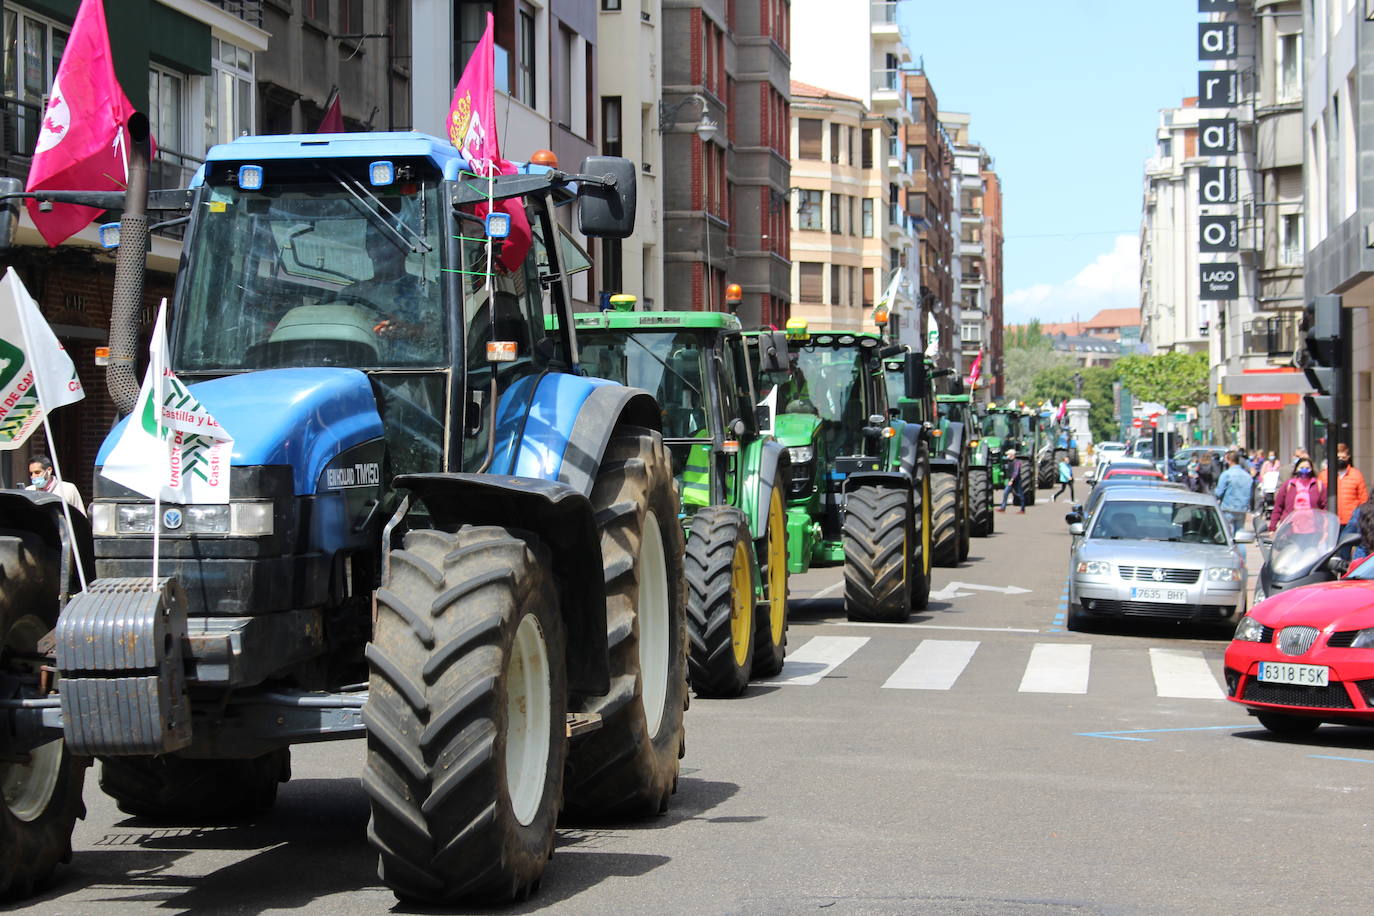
x=1306 y=548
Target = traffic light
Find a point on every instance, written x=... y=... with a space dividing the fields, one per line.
x=1321 y=324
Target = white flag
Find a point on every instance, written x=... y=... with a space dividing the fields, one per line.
x=33 y=365
x=890 y=294
x=175 y=452
x=770 y=401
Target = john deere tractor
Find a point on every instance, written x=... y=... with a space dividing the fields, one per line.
x=1045 y=445
x=731 y=478
x=958 y=408
x=860 y=486
x=1005 y=429
x=950 y=504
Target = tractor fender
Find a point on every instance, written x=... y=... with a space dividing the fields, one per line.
x=944 y=464
x=41 y=514
x=560 y=516
x=607 y=407
x=765 y=461
x=886 y=480
x=913 y=450
x=952 y=440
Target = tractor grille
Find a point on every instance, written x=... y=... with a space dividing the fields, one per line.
x=1342 y=639
x=1155 y=609
x=800 y=479
x=1174 y=576
x=1332 y=696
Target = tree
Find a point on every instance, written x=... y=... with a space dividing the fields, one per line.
x=1023 y=365
x=1056 y=384
x=1176 y=380
x=1027 y=337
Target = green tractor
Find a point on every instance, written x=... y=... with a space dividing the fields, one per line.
x=958 y=408
x=860 y=486
x=951 y=508
x=1006 y=429
x=730 y=475
x=1045 y=445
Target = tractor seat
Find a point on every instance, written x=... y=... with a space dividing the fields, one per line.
x=323 y=335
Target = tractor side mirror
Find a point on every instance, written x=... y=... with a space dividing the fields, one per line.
x=917 y=381
x=763 y=418
x=9 y=211
x=773 y=351
x=607 y=210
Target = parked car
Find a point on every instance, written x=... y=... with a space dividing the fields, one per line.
x=1103 y=454
x=1151 y=552
x=1143 y=447
x=1115 y=470
x=1106 y=486
x=1303 y=657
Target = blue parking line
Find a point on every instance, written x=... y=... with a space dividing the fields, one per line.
x=1347 y=759
x=1124 y=735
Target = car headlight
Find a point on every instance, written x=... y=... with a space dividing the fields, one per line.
x=801 y=454
x=1094 y=568
x=1363 y=640
x=1224 y=574
x=1249 y=630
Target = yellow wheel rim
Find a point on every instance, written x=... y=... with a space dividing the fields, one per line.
x=777 y=569
x=742 y=598
x=925 y=526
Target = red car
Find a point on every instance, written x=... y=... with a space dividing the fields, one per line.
x=1306 y=656
x=1131 y=472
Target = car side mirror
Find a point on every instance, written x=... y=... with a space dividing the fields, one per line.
x=1245 y=536
x=1076 y=529
x=1337 y=566
x=1073 y=518
x=607 y=209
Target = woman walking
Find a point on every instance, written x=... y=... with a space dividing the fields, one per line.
x=1301 y=491
x=1065 y=478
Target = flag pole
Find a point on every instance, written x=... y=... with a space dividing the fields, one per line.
x=157 y=370
x=52 y=450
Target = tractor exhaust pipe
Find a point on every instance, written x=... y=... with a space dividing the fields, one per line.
x=131 y=263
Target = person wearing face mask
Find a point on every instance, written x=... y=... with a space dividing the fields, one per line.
x=1301 y=491
x=1269 y=473
x=1351 y=490
x=42 y=478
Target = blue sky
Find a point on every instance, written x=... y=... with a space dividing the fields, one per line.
x=1065 y=95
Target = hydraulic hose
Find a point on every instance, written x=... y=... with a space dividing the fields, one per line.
x=131 y=262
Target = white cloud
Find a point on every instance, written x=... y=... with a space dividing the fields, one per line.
x=1111 y=281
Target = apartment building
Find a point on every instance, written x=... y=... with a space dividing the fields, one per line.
x=929 y=202
x=974 y=322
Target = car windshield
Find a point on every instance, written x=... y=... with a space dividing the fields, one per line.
x=669 y=365
x=1303 y=538
x=304 y=274
x=832 y=386
x=1142 y=520
x=1000 y=426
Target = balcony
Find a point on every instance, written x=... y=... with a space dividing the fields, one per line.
x=890 y=95
x=249 y=11
x=883 y=21
x=1271 y=337
x=18 y=136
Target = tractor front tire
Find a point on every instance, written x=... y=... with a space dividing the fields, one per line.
x=878 y=555
x=172 y=789
x=770 y=634
x=980 y=501
x=1045 y=475
x=922 y=554
x=944 y=516
x=1027 y=478
x=466 y=716
x=42 y=796
x=629 y=767
x=720 y=602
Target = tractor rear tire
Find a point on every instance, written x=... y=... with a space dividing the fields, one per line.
x=720 y=602
x=1027 y=478
x=922 y=555
x=629 y=767
x=879 y=561
x=42 y=798
x=466 y=716
x=980 y=501
x=173 y=789
x=770 y=634
x=1045 y=473
x=965 y=518
x=944 y=516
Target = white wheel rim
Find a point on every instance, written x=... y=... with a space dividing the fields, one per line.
x=654 y=616
x=528 y=698
x=29 y=786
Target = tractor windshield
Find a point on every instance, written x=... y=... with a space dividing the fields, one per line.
x=830 y=383
x=1000 y=426
x=313 y=274
x=670 y=365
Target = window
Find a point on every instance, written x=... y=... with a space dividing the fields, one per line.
x=809 y=210
x=835 y=144
x=1290 y=68
x=834 y=284
x=525 y=56
x=868 y=286
x=228 y=94
x=811 y=275
x=809 y=138
x=1166 y=149
x=853 y=223
x=610 y=6
x=851 y=293
x=563 y=114
x=317 y=10
x=610 y=125
x=971 y=332
x=868 y=217
x=32 y=48
x=1290 y=239
x=351 y=17
x=866 y=148
x=836 y=202
x=165 y=93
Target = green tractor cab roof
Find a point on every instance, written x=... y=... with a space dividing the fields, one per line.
x=648 y=321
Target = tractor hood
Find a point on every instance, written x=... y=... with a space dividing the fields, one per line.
x=796 y=429
x=298 y=418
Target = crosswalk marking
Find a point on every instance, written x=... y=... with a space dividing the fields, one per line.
x=816 y=658
x=935 y=665
x=1184 y=674
x=1057 y=668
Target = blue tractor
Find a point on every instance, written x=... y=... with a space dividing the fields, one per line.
x=443 y=537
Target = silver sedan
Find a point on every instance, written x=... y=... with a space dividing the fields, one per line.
x=1156 y=552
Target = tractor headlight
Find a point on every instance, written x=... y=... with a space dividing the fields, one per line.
x=802 y=454
x=134 y=519
x=1249 y=630
x=1223 y=574
x=1094 y=568
x=251 y=518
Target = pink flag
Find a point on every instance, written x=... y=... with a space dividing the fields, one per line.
x=333 y=122
x=976 y=372
x=1063 y=410
x=472 y=128
x=81 y=141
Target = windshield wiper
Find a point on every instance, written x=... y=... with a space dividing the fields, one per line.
x=664 y=363
x=373 y=208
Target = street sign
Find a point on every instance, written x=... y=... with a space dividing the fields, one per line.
x=1137 y=423
x=1154 y=421
x=1180 y=417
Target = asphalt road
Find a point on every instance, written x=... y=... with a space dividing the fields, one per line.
x=979 y=759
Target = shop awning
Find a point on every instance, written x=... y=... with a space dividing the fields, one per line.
x=1266 y=381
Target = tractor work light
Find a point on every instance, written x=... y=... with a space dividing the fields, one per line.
x=250 y=177
x=797 y=329
x=381 y=173
x=498 y=224
x=109 y=236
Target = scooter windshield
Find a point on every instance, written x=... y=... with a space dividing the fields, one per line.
x=1304 y=539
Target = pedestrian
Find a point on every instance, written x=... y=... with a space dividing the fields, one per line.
x=1351 y=490
x=1207 y=472
x=42 y=478
x=1363 y=520
x=1233 y=492
x=1065 y=478
x=1301 y=491
x=1013 y=481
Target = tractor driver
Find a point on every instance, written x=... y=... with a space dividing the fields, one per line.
x=410 y=316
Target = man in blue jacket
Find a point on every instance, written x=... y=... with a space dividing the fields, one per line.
x=1233 y=491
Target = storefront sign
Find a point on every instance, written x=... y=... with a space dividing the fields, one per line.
x=1216 y=137
x=1216 y=41
x=1218 y=89
x=1219 y=281
x=1219 y=233
x=1217 y=185
x=1267 y=401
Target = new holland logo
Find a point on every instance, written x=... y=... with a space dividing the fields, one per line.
x=172 y=519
